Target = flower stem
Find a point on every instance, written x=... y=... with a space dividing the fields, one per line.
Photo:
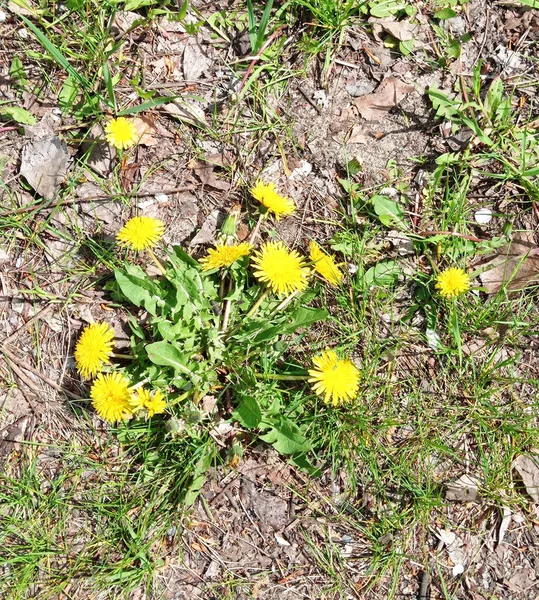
x=126 y=356
x=254 y=234
x=286 y=301
x=277 y=377
x=454 y=321
x=228 y=306
x=257 y=304
x=156 y=261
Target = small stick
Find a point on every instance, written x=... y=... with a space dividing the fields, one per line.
x=157 y=262
x=256 y=230
x=15 y=362
x=286 y=301
x=228 y=307
x=15 y=334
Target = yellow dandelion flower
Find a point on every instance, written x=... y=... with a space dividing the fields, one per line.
x=110 y=397
x=324 y=264
x=282 y=270
x=337 y=380
x=452 y=282
x=140 y=233
x=266 y=194
x=143 y=399
x=121 y=133
x=93 y=349
x=223 y=256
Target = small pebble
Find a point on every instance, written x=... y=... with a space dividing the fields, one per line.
x=23 y=33
x=161 y=198
x=483 y=216
x=3 y=16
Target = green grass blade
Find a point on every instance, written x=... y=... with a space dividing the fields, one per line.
x=60 y=59
x=110 y=86
x=146 y=105
x=252 y=25
x=263 y=25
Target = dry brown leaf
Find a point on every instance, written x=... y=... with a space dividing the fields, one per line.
x=44 y=164
x=528 y=469
x=187 y=112
x=145 y=128
x=463 y=489
x=195 y=62
x=514 y=267
x=206 y=173
x=389 y=94
x=401 y=30
x=358 y=135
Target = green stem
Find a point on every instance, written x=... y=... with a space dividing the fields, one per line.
x=257 y=304
x=228 y=306
x=127 y=356
x=156 y=261
x=286 y=302
x=254 y=234
x=455 y=328
x=278 y=377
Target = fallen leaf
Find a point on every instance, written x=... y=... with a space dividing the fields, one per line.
x=514 y=267
x=455 y=550
x=389 y=93
x=207 y=232
x=504 y=524
x=523 y=579
x=401 y=30
x=208 y=403
x=44 y=165
x=195 y=62
x=187 y=112
x=528 y=469
x=145 y=128
x=463 y=489
x=358 y=135
x=206 y=173
x=22 y=7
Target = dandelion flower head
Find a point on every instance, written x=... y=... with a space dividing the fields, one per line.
x=452 y=282
x=140 y=233
x=223 y=256
x=93 y=349
x=324 y=264
x=143 y=399
x=110 y=396
x=266 y=194
x=282 y=270
x=335 y=379
x=121 y=133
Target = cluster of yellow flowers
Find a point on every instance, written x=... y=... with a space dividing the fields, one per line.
x=112 y=395
x=283 y=271
x=286 y=272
